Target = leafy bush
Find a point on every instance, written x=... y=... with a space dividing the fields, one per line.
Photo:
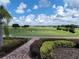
x=64 y=44
x=15 y=26
x=46 y=49
x=25 y=26
x=58 y=28
x=48 y=46
x=35 y=48
x=72 y=30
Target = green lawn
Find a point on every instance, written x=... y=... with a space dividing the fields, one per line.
x=41 y=31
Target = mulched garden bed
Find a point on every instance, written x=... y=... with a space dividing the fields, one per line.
x=10 y=45
x=65 y=53
x=35 y=47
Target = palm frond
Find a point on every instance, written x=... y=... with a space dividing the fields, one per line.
x=4 y=13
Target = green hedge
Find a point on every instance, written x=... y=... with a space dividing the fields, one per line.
x=48 y=46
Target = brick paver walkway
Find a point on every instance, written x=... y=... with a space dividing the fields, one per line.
x=22 y=52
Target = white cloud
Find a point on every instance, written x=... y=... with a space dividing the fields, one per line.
x=60 y=10
x=54 y=6
x=53 y=16
x=66 y=15
x=29 y=18
x=42 y=18
x=69 y=16
x=21 y=17
x=63 y=16
x=21 y=8
x=65 y=5
x=72 y=12
x=14 y=21
x=72 y=3
x=44 y=3
x=14 y=17
x=35 y=7
x=4 y=2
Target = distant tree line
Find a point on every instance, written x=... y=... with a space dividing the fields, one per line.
x=17 y=25
x=69 y=28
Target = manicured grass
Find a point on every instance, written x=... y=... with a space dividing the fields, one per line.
x=41 y=31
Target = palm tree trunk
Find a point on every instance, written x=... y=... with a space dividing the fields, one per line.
x=6 y=31
x=1 y=34
x=1 y=31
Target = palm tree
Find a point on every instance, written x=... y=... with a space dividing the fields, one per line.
x=4 y=15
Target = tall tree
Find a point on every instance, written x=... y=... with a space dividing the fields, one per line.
x=4 y=15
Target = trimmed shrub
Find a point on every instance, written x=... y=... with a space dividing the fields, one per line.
x=35 y=48
x=48 y=46
x=46 y=49
x=63 y=43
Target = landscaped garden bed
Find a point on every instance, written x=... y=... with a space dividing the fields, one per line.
x=10 y=45
x=48 y=47
x=45 y=49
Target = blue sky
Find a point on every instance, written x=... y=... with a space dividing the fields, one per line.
x=30 y=4
x=42 y=12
